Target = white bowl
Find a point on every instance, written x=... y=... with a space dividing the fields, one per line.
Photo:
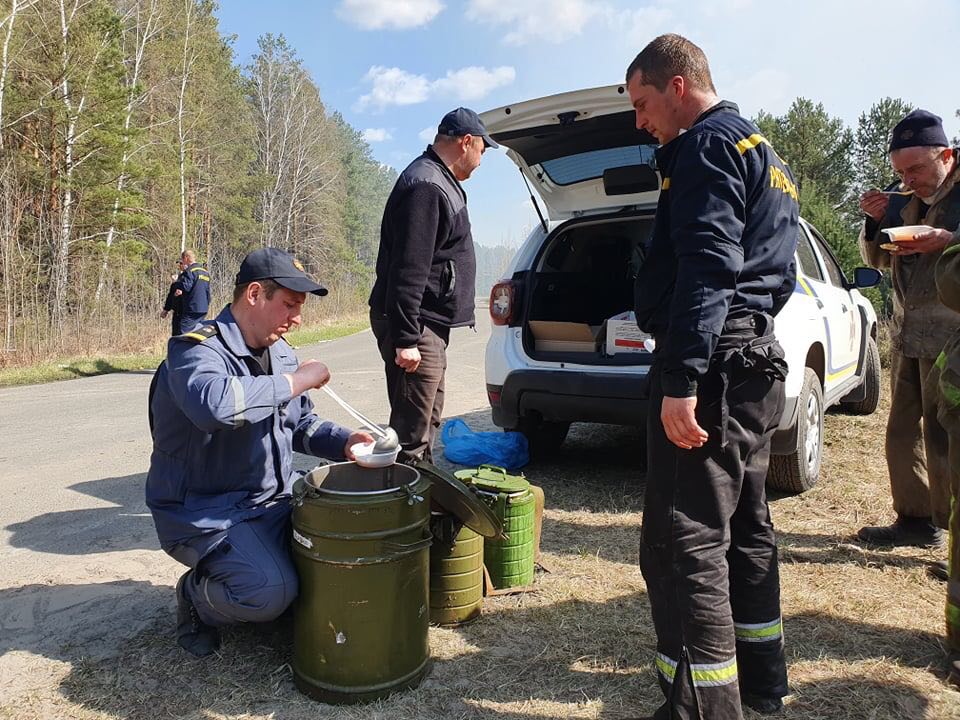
x=365 y=457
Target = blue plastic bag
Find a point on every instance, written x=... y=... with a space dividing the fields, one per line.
x=463 y=446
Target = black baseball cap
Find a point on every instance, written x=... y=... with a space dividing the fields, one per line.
x=279 y=266
x=464 y=121
x=920 y=128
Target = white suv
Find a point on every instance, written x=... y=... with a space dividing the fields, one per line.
x=548 y=360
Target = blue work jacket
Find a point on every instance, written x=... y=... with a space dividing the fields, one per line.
x=723 y=242
x=224 y=432
x=194 y=281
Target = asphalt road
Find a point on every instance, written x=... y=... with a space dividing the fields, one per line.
x=77 y=541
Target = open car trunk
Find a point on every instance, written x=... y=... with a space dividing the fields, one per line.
x=580 y=289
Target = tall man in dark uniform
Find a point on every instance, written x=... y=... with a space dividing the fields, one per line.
x=426 y=271
x=718 y=267
x=189 y=296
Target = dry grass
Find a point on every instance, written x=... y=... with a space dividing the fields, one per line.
x=863 y=626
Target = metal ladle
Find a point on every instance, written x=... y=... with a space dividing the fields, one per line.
x=387 y=440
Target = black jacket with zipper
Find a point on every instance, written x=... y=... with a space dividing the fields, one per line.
x=426 y=265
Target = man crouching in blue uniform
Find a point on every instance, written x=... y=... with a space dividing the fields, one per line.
x=227 y=409
x=718 y=267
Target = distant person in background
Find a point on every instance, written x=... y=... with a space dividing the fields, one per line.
x=173 y=304
x=916 y=442
x=426 y=273
x=189 y=295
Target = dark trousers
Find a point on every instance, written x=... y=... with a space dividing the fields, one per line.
x=187 y=322
x=416 y=399
x=243 y=574
x=707 y=550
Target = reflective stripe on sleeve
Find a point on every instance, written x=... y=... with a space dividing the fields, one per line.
x=311 y=431
x=239 y=400
x=751 y=142
x=759 y=632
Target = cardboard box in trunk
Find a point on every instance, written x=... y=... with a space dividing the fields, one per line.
x=551 y=336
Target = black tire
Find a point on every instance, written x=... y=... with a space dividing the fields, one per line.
x=543 y=436
x=800 y=470
x=871 y=383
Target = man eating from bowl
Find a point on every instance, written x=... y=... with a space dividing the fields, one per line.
x=916 y=443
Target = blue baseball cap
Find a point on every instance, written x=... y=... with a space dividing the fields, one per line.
x=281 y=267
x=464 y=121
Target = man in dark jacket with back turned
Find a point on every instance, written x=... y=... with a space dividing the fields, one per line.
x=718 y=268
x=189 y=296
x=426 y=271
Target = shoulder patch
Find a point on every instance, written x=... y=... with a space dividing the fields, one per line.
x=200 y=334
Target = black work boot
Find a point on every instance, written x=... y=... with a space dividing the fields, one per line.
x=761 y=704
x=938 y=570
x=953 y=669
x=917 y=532
x=193 y=635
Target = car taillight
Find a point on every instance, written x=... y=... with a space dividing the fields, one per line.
x=501 y=303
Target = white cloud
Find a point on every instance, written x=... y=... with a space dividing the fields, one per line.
x=375 y=135
x=638 y=27
x=393 y=86
x=428 y=134
x=473 y=83
x=526 y=21
x=392 y=14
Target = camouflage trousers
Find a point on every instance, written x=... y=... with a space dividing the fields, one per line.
x=946 y=375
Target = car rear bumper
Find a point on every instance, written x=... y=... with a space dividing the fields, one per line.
x=785 y=436
x=564 y=396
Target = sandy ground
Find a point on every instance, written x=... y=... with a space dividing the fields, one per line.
x=86 y=599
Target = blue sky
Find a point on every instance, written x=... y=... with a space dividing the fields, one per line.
x=394 y=67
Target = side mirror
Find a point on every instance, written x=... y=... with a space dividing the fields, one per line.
x=864 y=277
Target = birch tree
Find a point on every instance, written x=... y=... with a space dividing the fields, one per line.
x=142 y=24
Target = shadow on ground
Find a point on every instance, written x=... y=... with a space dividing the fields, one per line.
x=516 y=662
x=125 y=526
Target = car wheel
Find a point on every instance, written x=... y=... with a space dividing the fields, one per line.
x=543 y=436
x=871 y=383
x=800 y=470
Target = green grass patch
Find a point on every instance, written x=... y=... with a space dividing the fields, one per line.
x=311 y=335
x=70 y=368
x=77 y=367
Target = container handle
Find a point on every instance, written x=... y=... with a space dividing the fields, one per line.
x=301 y=489
x=412 y=496
x=420 y=544
x=501 y=470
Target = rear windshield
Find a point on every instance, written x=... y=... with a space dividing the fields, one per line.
x=590 y=165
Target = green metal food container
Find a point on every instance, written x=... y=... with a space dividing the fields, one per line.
x=509 y=559
x=361 y=545
x=456 y=572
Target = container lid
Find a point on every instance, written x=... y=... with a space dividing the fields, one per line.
x=455 y=497
x=494 y=479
